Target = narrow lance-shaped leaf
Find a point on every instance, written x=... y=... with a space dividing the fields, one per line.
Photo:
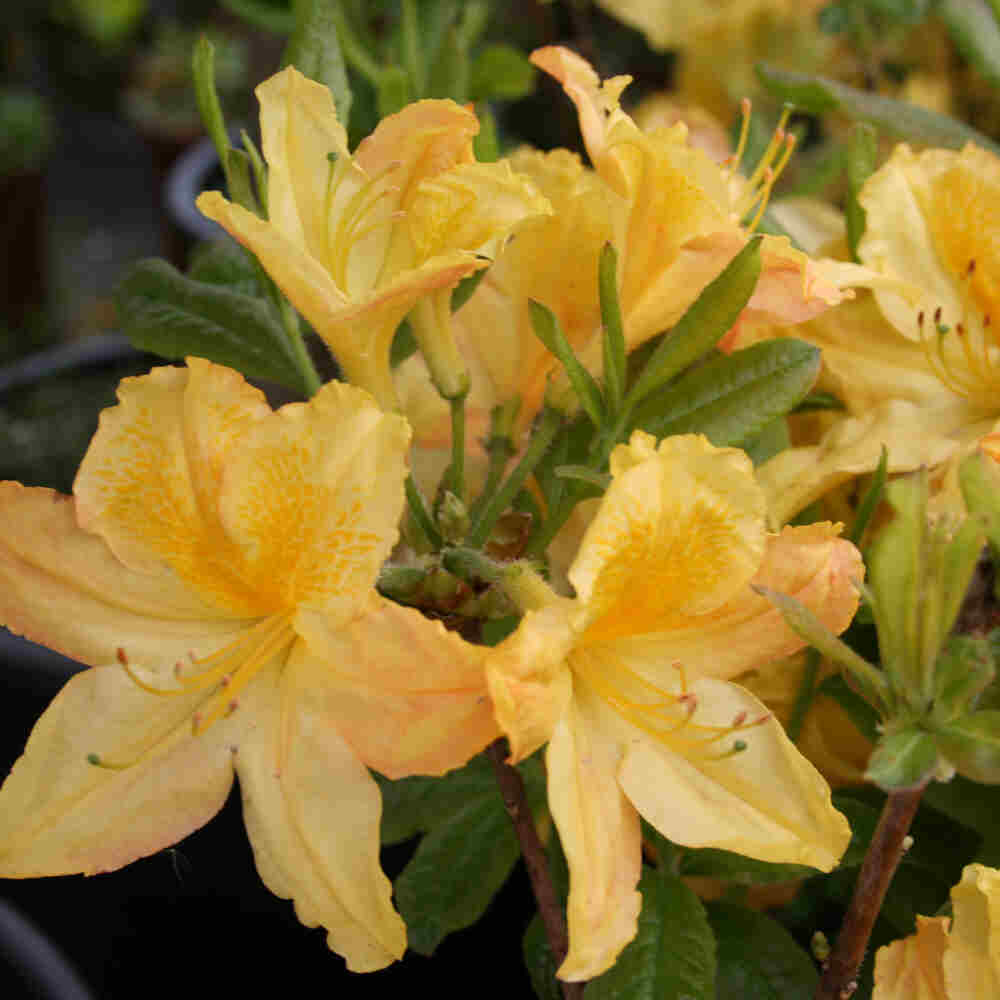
x=314 y=50
x=871 y=499
x=203 y=71
x=673 y=954
x=732 y=398
x=613 y=333
x=908 y=121
x=162 y=311
x=700 y=328
x=862 y=156
x=974 y=29
x=802 y=621
x=550 y=333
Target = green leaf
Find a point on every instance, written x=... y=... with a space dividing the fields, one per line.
x=864 y=717
x=862 y=158
x=203 y=71
x=771 y=440
x=758 y=958
x=465 y=288
x=539 y=962
x=732 y=398
x=672 y=957
x=713 y=313
x=974 y=30
x=908 y=121
x=501 y=72
x=904 y=758
x=392 y=90
x=162 y=311
x=871 y=499
x=450 y=71
x=314 y=50
x=820 y=401
x=964 y=669
x=712 y=862
x=457 y=869
x=224 y=263
x=272 y=17
x=972 y=744
x=549 y=332
x=613 y=338
x=486 y=144
x=974 y=806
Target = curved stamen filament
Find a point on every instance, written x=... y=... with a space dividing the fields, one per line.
x=758 y=186
x=667 y=717
x=964 y=357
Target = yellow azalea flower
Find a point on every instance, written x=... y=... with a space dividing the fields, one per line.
x=916 y=360
x=629 y=682
x=216 y=566
x=673 y=214
x=356 y=242
x=941 y=963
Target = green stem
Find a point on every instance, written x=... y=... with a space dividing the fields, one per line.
x=550 y=425
x=358 y=59
x=804 y=698
x=457 y=404
x=307 y=369
x=410 y=35
x=420 y=514
x=500 y=449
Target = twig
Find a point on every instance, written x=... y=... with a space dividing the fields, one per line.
x=884 y=854
x=514 y=799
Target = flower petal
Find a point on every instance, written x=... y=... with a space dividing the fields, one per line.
x=60 y=814
x=528 y=678
x=913 y=436
x=972 y=958
x=599 y=831
x=312 y=812
x=809 y=562
x=313 y=499
x=299 y=128
x=766 y=802
x=678 y=533
x=910 y=969
x=62 y=586
x=408 y=696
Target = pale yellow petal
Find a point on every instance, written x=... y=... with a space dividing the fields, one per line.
x=63 y=587
x=810 y=562
x=910 y=969
x=599 y=832
x=972 y=958
x=408 y=696
x=299 y=129
x=529 y=679
x=766 y=801
x=313 y=499
x=914 y=436
x=678 y=533
x=312 y=812
x=60 y=814
x=899 y=235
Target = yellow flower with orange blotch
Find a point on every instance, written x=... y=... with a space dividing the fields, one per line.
x=629 y=681
x=942 y=962
x=216 y=567
x=357 y=241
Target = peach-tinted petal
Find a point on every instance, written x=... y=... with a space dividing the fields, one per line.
x=313 y=498
x=149 y=481
x=61 y=814
x=599 y=831
x=529 y=681
x=810 y=562
x=913 y=436
x=677 y=534
x=910 y=969
x=766 y=801
x=408 y=696
x=299 y=128
x=312 y=812
x=972 y=958
x=62 y=586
